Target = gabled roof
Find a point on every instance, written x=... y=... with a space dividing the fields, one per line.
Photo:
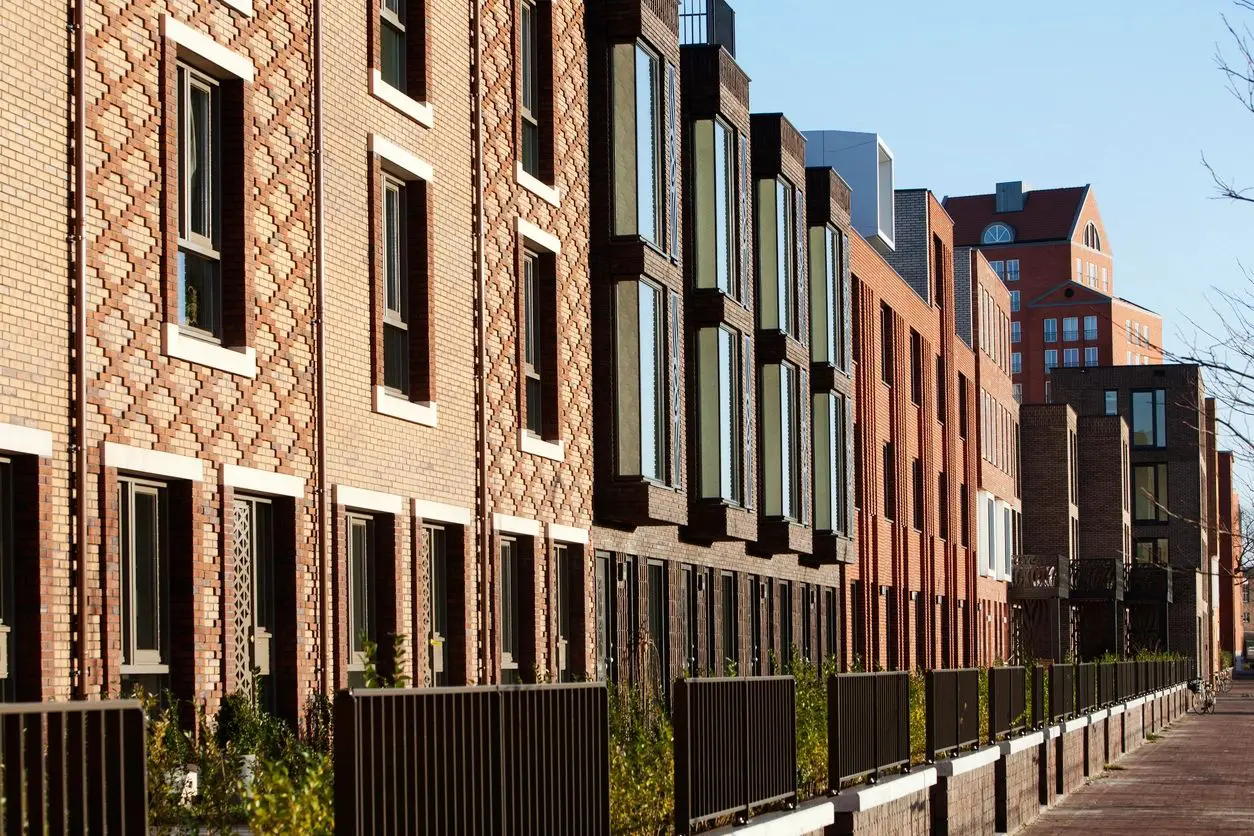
x=1047 y=215
x=1080 y=294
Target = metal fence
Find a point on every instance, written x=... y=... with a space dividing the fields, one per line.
x=77 y=767
x=952 y=710
x=1106 y=693
x=868 y=725
x=1061 y=692
x=1040 y=675
x=1125 y=680
x=513 y=759
x=1086 y=698
x=735 y=746
x=1007 y=702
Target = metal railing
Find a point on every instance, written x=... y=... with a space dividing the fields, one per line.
x=868 y=725
x=1061 y=692
x=952 y=710
x=735 y=746
x=1097 y=577
x=1106 y=693
x=508 y=759
x=1040 y=576
x=1125 y=680
x=1149 y=582
x=1007 y=702
x=1040 y=674
x=707 y=22
x=1086 y=699
x=78 y=767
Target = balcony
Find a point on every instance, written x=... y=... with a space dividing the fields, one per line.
x=1148 y=583
x=1098 y=579
x=707 y=22
x=1037 y=576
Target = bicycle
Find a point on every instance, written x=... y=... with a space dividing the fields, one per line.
x=1203 y=701
x=1224 y=678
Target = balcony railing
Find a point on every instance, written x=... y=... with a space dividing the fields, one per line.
x=735 y=746
x=501 y=759
x=78 y=767
x=707 y=22
x=1100 y=578
x=1149 y=582
x=1038 y=576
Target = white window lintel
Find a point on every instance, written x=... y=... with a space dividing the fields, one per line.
x=440 y=512
x=568 y=534
x=207 y=49
x=368 y=500
x=262 y=481
x=516 y=525
x=153 y=462
x=28 y=440
x=402 y=162
x=538 y=237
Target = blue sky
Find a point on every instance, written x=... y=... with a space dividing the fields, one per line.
x=1122 y=95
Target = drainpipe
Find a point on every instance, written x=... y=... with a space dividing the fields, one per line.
x=78 y=239
x=481 y=360
x=320 y=337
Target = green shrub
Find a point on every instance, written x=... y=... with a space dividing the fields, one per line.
x=642 y=765
x=811 y=724
x=292 y=794
x=918 y=717
x=1225 y=658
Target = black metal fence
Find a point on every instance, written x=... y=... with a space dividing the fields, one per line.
x=1086 y=699
x=1040 y=675
x=952 y=710
x=1061 y=692
x=735 y=746
x=78 y=767
x=1106 y=693
x=868 y=724
x=512 y=759
x=1007 y=702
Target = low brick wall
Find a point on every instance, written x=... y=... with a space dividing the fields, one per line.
x=1048 y=765
x=1133 y=728
x=1070 y=747
x=901 y=805
x=964 y=800
x=1018 y=783
x=1095 y=744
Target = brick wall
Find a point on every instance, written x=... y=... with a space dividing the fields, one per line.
x=1071 y=761
x=965 y=804
x=1019 y=773
x=908 y=816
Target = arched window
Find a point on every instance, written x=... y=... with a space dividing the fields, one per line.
x=1091 y=238
x=998 y=233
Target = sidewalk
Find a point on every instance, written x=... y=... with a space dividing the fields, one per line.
x=1195 y=779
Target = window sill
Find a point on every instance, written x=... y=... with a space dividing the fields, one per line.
x=549 y=194
x=240 y=361
x=420 y=112
x=554 y=450
x=385 y=403
x=144 y=670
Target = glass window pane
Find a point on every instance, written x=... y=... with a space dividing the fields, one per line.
x=783 y=255
x=1142 y=419
x=724 y=181
x=199 y=160
x=393 y=48
x=648 y=123
x=360 y=577
x=728 y=406
x=145 y=537
x=199 y=300
x=393 y=238
x=788 y=439
x=530 y=354
x=1160 y=418
x=509 y=612
x=651 y=397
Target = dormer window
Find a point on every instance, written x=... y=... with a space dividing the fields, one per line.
x=1091 y=238
x=998 y=233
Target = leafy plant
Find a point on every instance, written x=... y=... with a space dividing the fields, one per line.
x=918 y=717
x=642 y=767
x=292 y=794
x=811 y=723
x=371 y=674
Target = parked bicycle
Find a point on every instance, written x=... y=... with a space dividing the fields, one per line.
x=1223 y=681
x=1203 y=701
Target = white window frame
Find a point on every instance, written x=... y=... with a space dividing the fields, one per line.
x=138 y=661
x=353 y=519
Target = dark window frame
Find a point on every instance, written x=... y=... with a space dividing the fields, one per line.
x=539 y=363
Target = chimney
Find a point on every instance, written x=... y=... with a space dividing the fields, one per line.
x=1010 y=196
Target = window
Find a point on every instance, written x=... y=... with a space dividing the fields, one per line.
x=1092 y=274
x=641 y=379
x=688 y=596
x=1111 y=398
x=1090 y=355
x=1091 y=238
x=1018 y=392
x=1016 y=331
x=1051 y=360
x=716 y=193
x=831 y=476
x=1051 y=330
x=942 y=504
x=756 y=595
x=827 y=303
x=143 y=534
x=1012 y=270
x=1149 y=418
x=535 y=76
x=361 y=579
x=200 y=210
x=1090 y=327
x=962 y=405
x=436 y=543
x=785 y=622
x=606 y=595
x=1150 y=550
x=999 y=267
x=1070 y=329
x=637 y=138
x=890 y=481
x=539 y=337
x=1016 y=363
x=404 y=272
x=916 y=470
x=731 y=614
x=964 y=511
x=659 y=619
x=1071 y=357
x=778 y=204
x=1149 y=493
x=402 y=52
x=719 y=407
x=831 y=626
x=886 y=344
x=808 y=596
x=997 y=233
x=510 y=606
x=916 y=367
x=1014 y=301
x=781 y=432
x=942 y=400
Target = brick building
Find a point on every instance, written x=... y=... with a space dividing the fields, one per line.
x=1050 y=248
x=1233 y=591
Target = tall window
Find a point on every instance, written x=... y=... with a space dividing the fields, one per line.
x=362 y=621
x=890 y=481
x=605 y=593
x=1012 y=270
x=1090 y=355
x=1149 y=492
x=1090 y=327
x=962 y=405
x=781 y=429
x=1051 y=330
x=403 y=216
x=1051 y=359
x=886 y=344
x=1070 y=328
x=942 y=397
x=436 y=542
x=688 y=577
x=1149 y=418
x=999 y=267
x=1014 y=301
x=511 y=610
x=731 y=615
x=1016 y=362
x=942 y=504
x=536 y=69
x=659 y=619
x=641 y=379
x=717 y=197
x=200 y=181
x=539 y=338
x=916 y=367
x=143 y=535
x=916 y=471
x=827 y=327
x=719 y=410
x=394 y=48
x=637 y=138
x=785 y=622
x=1111 y=398
x=831 y=474
x=1150 y=550
x=1071 y=357
x=1016 y=331
x=777 y=256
